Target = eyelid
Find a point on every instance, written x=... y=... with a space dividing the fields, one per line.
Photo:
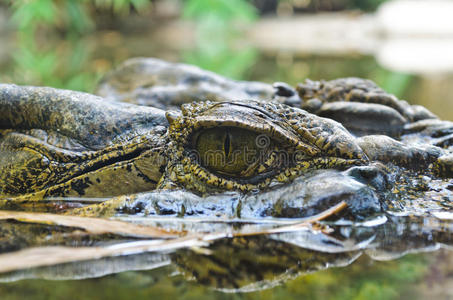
x=273 y=131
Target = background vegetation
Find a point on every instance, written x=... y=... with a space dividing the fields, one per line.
x=56 y=41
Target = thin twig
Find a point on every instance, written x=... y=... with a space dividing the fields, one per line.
x=91 y=225
x=308 y=223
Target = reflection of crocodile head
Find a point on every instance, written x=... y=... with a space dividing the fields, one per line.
x=255 y=263
x=66 y=144
x=239 y=264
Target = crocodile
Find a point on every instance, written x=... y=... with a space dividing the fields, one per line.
x=191 y=142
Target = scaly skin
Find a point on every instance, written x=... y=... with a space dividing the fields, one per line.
x=310 y=142
x=65 y=144
x=61 y=143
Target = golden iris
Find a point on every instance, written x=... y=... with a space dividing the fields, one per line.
x=228 y=150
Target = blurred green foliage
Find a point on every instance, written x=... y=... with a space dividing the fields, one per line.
x=50 y=38
x=28 y=16
x=394 y=82
x=365 y=5
x=219 y=27
x=68 y=15
x=55 y=46
x=224 y=10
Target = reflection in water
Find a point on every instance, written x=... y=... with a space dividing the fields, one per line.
x=257 y=262
x=364 y=280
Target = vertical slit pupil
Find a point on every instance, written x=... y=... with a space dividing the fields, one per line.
x=226 y=145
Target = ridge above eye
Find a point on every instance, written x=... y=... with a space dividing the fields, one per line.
x=238 y=115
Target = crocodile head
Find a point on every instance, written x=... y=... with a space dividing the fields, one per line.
x=278 y=160
x=72 y=144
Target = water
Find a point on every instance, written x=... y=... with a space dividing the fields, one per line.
x=260 y=267
x=410 y=277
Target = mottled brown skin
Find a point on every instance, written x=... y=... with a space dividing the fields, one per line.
x=157 y=83
x=65 y=144
x=358 y=91
x=389 y=129
x=359 y=105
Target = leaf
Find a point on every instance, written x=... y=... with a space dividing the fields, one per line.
x=140 y=4
x=91 y=225
x=28 y=14
x=77 y=17
x=227 y=10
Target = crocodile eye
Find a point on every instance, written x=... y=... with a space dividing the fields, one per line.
x=229 y=151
